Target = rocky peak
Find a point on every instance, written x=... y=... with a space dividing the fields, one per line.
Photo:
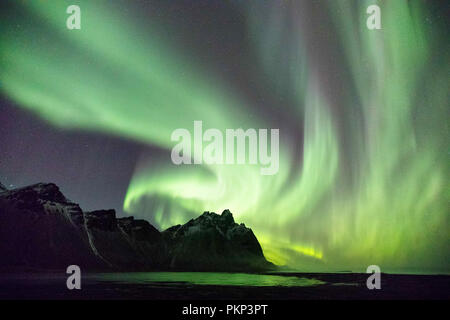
x=138 y=229
x=2 y=187
x=227 y=217
x=49 y=192
x=101 y=219
x=223 y=223
x=41 y=191
x=214 y=242
x=211 y=218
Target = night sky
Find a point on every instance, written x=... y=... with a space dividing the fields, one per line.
x=363 y=118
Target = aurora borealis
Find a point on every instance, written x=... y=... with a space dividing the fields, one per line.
x=363 y=115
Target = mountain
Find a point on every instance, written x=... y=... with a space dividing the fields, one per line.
x=214 y=242
x=41 y=229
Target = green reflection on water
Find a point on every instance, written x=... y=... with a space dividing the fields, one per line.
x=207 y=278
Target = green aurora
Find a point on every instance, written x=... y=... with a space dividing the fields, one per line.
x=363 y=173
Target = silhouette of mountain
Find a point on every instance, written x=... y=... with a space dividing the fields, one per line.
x=40 y=228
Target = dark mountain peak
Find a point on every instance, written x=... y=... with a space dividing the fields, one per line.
x=2 y=187
x=173 y=229
x=136 y=224
x=101 y=219
x=223 y=224
x=208 y=221
x=214 y=242
x=42 y=191
x=225 y=219
x=227 y=216
x=139 y=229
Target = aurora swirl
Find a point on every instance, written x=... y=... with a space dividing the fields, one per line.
x=363 y=118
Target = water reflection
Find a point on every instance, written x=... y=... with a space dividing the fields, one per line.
x=207 y=278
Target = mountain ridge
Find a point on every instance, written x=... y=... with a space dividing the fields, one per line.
x=41 y=228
